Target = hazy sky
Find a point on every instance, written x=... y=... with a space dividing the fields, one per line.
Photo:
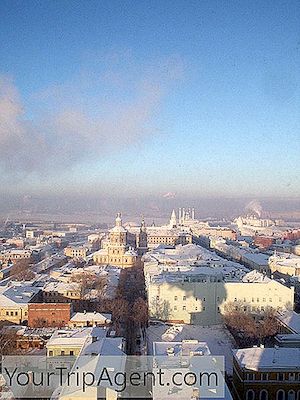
x=150 y=97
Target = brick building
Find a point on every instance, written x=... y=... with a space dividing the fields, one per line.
x=49 y=314
x=266 y=374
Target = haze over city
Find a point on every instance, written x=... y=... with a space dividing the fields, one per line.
x=131 y=102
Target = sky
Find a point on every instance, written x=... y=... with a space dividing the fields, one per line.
x=149 y=98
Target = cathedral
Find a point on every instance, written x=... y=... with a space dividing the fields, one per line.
x=116 y=250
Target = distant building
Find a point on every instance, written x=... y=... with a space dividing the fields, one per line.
x=285 y=264
x=75 y=251
x=116 y=250
x=14 y=255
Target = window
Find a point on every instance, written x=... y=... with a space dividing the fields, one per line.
x=184 y=307
x=252 y=299
x=280 y=395
x=62 y=353
x=71 y=353
x=204 y=299
x=264 y=376
x=184 y=298
x=175 y=297
x=7 y=313
x=250 y=395
x=298 y=395
x=175 y=308
x=291 y=395
x=250 y=377
x=292 y=376
x=50 y=353
x=280 y=376
x=263 y=395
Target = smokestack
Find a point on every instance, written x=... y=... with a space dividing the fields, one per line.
x=179 y=215
x=183 y=214
x=193 y=213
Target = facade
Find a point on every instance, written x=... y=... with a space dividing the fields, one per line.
x=76 y=251
x=80 y=320
x=61 y=292
x=14 y=302
x=266 y=374
x=285 y=264
x=116 y=250
x=197 y=289
x=15 y=254
x=49 y=314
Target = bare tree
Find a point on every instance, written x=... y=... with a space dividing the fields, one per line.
x=140 y=312
x=21 y=270
x=161 y=309
x=85 y=280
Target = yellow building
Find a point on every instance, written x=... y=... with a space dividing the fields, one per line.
x=14 y=302
x=286 y=264
x=58 y=291
x=117 y=250
x=75 y=251
x=195 y=286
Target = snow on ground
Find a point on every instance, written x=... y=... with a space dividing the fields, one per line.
x=218 y=339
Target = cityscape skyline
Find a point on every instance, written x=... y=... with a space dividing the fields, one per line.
x=149 y=100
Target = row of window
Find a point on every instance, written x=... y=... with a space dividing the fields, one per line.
x=280 y=395
x=281 y=376
x=62 y=353
x=14 y=313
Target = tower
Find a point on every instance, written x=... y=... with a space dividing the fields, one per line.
x=142 y=239
x=173 y=220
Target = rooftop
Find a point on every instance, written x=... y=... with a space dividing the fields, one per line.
x=290 y=319
x=268 y=359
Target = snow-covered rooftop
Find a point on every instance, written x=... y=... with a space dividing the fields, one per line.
x=268 y=359
x=290 y=319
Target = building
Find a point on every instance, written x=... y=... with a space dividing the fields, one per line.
x=142 y=239
x=191 y=285
x=82 y=319
x=168 y=352
x=91 y=344
x=266 y=373
x=249 y=257
x=57 y=292
x=70 y=342
x=14 y=255
x=14 y=302
x=49 y=314
x=116 y=251
x=75 y=251
x=289 y=321
x=285 y=264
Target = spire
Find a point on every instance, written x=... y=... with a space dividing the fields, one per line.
x=119 y=219
x=143 y=225
x=173 y=220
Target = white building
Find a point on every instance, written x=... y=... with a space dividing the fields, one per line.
x=192 y=285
